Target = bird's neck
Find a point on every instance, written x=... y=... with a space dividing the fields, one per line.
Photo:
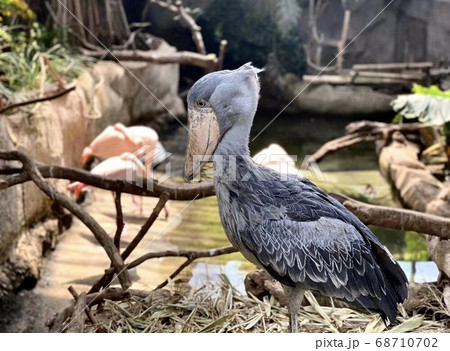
x=235 y=142
x=232 y=155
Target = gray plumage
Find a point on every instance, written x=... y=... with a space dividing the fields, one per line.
x=303 y=237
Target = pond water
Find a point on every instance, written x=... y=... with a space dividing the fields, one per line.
x=351 y=172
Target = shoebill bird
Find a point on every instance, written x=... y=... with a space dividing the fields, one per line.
x=303 y=237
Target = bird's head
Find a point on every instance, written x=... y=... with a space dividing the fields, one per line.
x=216 y=103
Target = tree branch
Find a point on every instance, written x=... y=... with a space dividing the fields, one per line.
x=119 y=219
x=41 y=99
x=208 y=62
x=179 y=9
x=397 y=218
x=194 y=27
x=147 y=225
x=108 y=276
x=88 y=312
x=363 y=131
x=149 y=188
x=191 y=256
x=99 y=233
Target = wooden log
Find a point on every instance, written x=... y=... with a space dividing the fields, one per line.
x=392 y=75
x=419 y=190
x=208 y=62
x=364 y=131
x=343 y=41
x=392 y=66
x=355 y=80
x=222 y=50
x=76 y=325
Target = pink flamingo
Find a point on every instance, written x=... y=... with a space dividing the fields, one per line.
x=117 y=139
x=277 y=159
x=117 y=167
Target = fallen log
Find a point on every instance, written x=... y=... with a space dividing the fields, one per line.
x=419 y=190
x=365 y=131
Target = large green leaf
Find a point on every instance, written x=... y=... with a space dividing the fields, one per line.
x=433 y=90
x=430 y=109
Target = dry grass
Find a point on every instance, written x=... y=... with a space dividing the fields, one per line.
x=223 y=309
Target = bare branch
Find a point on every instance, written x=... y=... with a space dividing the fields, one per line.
x=196 y=30
x=175 y=273
x=106 y=279
x=78 y=318
x=99 y=233
x=137 y=239
x=222 y=51
x=208 y=62
x=56 y=95
x=119 y=219
x=88 y=312
x=190 y=255
x=340 y=143
x=363 y=131
x=176 y=192
x=397 y=218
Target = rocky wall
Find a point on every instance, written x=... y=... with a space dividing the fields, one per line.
x=55 y=132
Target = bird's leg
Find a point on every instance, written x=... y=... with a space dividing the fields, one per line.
x=293 y=322
x=138 y=204
x=294 y=297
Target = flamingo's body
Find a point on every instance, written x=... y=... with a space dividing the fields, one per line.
x=117 y=167
x=277 y=159
x=117 y=139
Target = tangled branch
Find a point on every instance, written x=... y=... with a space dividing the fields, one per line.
x=100 y=234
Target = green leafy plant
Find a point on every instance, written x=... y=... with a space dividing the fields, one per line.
x=15 y=8
x=429 y=105
x=20 y=49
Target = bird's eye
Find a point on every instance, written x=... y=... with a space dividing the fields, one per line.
x=201 y=103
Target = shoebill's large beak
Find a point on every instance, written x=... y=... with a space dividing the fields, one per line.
x=204 y=136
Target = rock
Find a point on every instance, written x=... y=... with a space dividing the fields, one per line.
x=336 y=100
x=130 y=93
x=321 y=99
x=22 y=268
